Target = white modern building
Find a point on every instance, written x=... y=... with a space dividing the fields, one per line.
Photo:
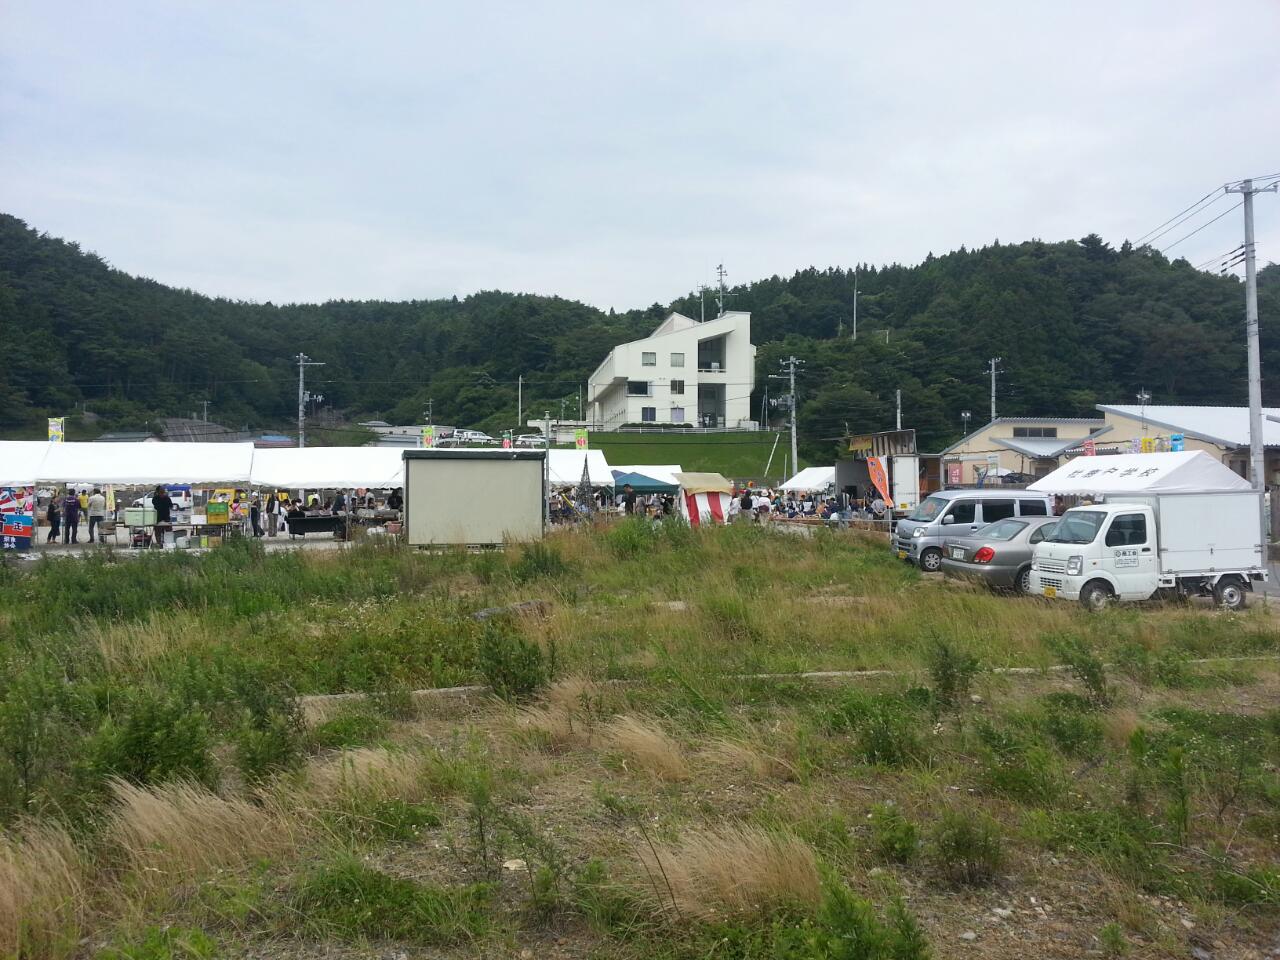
x=685 y=372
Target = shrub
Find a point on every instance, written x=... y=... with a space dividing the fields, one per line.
x=267 y=745
x=1067 y=720
x=387 y=818
x=885 y=728
x=351 y=728
x=631 y=538
x=158 y=738
x=894 y=837
x=513 y=666
x=604 y=905
x=952 y=672
x=1113 y=941
x=352 y=901
x=729 y=617
x=1085 y=665
x=540 y=561
x=965 y=847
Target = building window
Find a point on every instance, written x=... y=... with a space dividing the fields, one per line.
x=677 y=388
x=677 y=359
x=677 y=414
x=637 y=388
x=1050 y=433
x=649 y=414
x=648 y=359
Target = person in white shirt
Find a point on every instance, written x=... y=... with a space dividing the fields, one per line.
x=97 y=513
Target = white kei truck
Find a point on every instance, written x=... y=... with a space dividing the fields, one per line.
x=1168 y=540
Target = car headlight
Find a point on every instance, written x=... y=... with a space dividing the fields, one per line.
x=917 y=532
x=1075 y=566
x=1034 y=565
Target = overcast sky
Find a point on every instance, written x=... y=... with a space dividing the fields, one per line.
x=615 y=152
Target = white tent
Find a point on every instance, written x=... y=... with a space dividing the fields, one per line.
x=145 y=464
x=811 y=480
x=564 y=468
x=1188 y=471
x=328 y=468
x=665 y=472
x=20 y=461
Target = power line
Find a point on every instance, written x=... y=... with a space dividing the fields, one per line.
x=1201 y=207
x=1211 y=193
x=1202 y=226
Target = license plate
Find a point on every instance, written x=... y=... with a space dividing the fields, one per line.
x=902 y=554
x=957 y=553
x=1050 y=592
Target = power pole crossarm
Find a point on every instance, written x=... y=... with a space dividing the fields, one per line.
x=993 y=363
x=303 y=362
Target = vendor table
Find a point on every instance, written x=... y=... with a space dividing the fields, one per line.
x=301 y=526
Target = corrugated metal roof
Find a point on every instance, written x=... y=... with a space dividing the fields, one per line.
x=1228 y=426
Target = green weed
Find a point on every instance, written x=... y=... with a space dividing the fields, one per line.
x=965 y=847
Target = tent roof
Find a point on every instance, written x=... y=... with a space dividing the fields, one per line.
x=20 y=461
x=811 y=478
x=1187 y=471
x=564 y=468
x=666 y=472
x=704 y=483
x=643 y=484
x=144 y=464
x=328 y=468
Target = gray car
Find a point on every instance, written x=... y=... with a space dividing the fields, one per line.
x=999 y=554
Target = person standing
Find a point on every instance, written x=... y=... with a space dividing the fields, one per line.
x=71 y=518
x=255 y=514
x=54 y=515
x=97 y=513
x=164 y=514
x=628 y=500
x=273 y=513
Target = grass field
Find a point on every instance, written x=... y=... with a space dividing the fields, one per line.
x=741 y=456
x=225 y=756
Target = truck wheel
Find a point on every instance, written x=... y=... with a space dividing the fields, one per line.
x=931 y=560
x=1096 y=596
x=1228 y=593
x=1023 y=581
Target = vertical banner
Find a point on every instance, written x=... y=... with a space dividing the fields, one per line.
x=428 y=436
x=1089 y=448
x=506 y=440
x=1135 y=445
x=580 y=439
x=1148 y=444
x=1176 y=443
x=17 y=517
x=875 y=468
x=955 y=473
x=57 y=429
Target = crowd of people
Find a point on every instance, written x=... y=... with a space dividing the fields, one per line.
x=761 y=505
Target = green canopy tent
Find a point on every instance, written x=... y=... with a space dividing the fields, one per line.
x=642 y=484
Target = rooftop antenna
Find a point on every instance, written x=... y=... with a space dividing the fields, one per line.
x=1144 y=397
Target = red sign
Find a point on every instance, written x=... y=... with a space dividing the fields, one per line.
x=955 y=473
x=1090 y=448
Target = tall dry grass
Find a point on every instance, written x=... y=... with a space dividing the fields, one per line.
x=743 y=757
x=129 y=646
x=567 y=717
x=735 y=871
x=647 y=746
x=173 y=833
x=42 y=893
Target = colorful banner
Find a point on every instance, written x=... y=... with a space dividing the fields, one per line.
x=428 y=436
x=507 y=443
x=1148 y=444
x=878 y=477
x=1176 y=443
x=57 y=429
x=580 y=439
x=1089 y=448
x=955 y=473
x=17 y=530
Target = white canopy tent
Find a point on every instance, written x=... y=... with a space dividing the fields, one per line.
x=564 y=468
x=146 y=464
x=665 y=472
x=1188 y=471
x=328 y=468
x=20 y=461
x=811 y=480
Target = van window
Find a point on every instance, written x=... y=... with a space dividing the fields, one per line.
x=1033 y=508
x=930 y=509
x=993 y=510
x=1127 y=530
x=963 y=511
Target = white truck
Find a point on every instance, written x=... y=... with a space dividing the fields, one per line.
x=1135 y=546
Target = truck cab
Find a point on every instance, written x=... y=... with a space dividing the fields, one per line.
x=1109 y=547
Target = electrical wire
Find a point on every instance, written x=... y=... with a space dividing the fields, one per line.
x=1150 y=241
x=1202 y=226
x=1142 y=239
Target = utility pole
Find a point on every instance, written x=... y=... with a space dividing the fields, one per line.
x=430 y=407
x=702 y=303
x=789 y=365
x=899 y=400
x=721 y=273
x=993 y=362
x=520 y=401
x=1143 y=399
x=206 y=410
x=855 y=303
x=303 y=362
x=579 y=401
x=1257 y=467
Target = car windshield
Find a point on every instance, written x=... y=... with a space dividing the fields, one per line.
x=1077 y=526
x=1001 y=530
x=929 y=509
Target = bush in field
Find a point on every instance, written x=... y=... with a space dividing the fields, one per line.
x=512 y=665
x=351 y=728
x=886 y=729
x=894 y=837
x=965 y=847
x=730 y=617
x=1069 y=721
x=1086 y=666
x=540 y=561
x=41 y=716
x=154 y=738
x=631 y=538
x=952 y=671
x=267 y=745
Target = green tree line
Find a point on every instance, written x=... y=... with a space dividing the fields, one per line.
x=1076 y=323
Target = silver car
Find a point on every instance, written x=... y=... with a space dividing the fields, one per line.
x=998 y=554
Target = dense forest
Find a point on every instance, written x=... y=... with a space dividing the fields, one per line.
x=1075 y=323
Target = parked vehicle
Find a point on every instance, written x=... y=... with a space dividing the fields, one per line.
x=920 y=536
x=472 y=438
x=531 y=440
x=180 y=494
x=998 y=555
x=1159 y=544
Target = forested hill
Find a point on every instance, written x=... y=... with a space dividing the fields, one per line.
x=1076 y=323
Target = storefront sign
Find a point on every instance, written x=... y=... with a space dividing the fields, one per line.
x=1176 y=443
x=1148 y=444
x=955 y=473
x=16 y=531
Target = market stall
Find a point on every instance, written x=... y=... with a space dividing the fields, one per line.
x=1187 y=471
x=704 y=498
x=640 y=483
x=564 y=468
x=811 y=480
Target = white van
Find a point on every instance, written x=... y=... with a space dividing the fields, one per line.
x=947 y=514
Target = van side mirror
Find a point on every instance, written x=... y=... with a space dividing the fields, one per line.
x=948 y=519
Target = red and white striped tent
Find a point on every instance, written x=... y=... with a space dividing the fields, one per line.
x=704 y=498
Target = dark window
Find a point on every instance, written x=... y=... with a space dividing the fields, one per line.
x=637 y=388
x=993 y=510
x=963 y=511
x=1048 y=432
x=1033 y=508
x=649 y=414
x=1040 y=532
x=1127 y=530
x=677 y=387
